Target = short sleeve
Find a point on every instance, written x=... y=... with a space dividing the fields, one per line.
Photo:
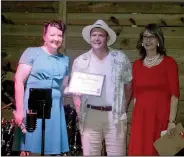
x=134 y=79
x=127 y=70
x=27 y=57
x=172 y=74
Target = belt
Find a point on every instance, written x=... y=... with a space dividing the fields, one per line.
x=101 y=108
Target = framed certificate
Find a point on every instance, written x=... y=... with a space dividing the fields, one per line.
x=86 y=83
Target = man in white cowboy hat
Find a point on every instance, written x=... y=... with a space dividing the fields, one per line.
x=103 y=117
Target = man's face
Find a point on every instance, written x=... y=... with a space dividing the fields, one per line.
x=98 y=38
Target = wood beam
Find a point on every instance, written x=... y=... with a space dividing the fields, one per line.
x=127 y=0
x=62 y=14
x=125 y=7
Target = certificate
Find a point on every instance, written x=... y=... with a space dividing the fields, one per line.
x=86 y=83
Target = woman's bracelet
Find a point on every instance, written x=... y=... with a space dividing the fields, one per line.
x=171 y=121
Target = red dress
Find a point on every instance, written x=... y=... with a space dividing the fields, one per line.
x=152 y=88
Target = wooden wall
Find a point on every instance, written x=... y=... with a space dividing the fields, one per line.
x=22 y=27
x=127 y=20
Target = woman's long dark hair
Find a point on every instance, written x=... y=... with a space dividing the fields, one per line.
x=157 y=32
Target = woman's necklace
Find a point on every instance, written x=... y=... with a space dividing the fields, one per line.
x=151 y=61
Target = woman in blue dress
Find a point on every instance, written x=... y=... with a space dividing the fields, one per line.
x=42 y=67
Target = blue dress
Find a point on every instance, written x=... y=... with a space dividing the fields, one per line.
x=47 y=71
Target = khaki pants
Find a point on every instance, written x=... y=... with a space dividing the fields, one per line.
x=98 y=126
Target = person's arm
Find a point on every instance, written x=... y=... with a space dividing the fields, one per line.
x=127 y=79
x=173 y=108
x=77 y=102
x=134 y=101
x=173 y=84
x=21 y=75
x=76 y=97
x=173 y=112
x=66 y=79
x=65 y=85
x=134 y=83
x=128 y=93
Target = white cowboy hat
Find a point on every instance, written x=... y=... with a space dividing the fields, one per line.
x=99 y=24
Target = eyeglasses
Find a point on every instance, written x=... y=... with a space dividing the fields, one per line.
x=151 y=37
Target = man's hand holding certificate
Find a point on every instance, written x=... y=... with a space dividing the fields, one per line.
x=85 y=83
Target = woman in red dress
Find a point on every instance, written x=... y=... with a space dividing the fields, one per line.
x=155 y=92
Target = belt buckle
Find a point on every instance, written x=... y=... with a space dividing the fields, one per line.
x=102 y=108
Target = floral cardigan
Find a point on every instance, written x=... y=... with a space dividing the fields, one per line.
x=121 y=73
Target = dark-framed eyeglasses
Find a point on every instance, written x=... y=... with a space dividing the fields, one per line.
x=151 y=37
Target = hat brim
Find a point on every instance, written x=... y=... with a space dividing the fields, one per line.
x=86 y=33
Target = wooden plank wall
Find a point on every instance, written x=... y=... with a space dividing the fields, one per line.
x=23 y=22
x=127 y=20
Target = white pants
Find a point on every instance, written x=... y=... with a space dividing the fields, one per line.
x=98 y=126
